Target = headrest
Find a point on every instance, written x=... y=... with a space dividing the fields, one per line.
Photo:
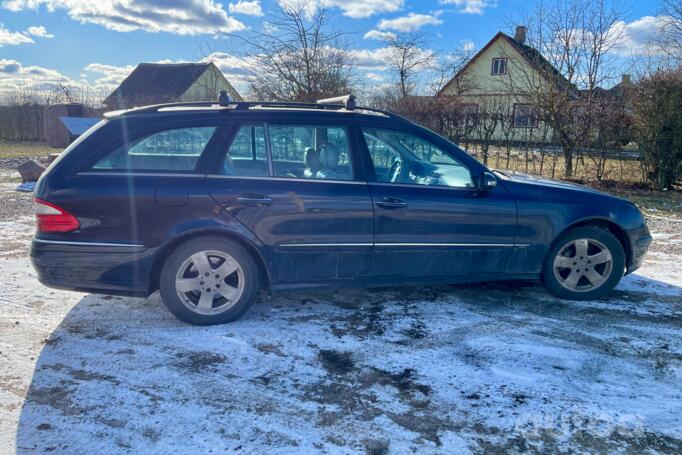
x=312 y=159
x=329 y=155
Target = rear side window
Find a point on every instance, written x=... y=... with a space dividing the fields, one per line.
x=310 y=152
x=246 y=155
x=169 y=150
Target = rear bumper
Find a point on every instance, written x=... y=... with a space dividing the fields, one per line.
x=93 y=267
x=639 y=239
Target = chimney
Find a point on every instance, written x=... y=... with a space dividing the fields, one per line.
x=625 y=79
x=520 y=35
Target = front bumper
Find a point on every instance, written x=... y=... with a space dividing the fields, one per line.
x=92 y=267
x=639 y=240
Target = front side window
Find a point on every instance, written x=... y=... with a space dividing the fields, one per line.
x=310 y=152
x=246 y=155
x=499 y=67
x=405 y=158
x=170 y=150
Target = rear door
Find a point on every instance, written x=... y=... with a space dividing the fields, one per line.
x=314 y=218
x=139 y=180
x=429 y=219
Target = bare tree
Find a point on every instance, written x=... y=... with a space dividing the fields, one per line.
x=670 y=39
x=508 y=132
x=568 y=57
x=658 y=127
x=406 y=57
x=63 y=91
x=447 y=65
x=304 y=60
x=488 y=120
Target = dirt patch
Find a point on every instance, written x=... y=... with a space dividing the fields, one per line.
x=427 y=425
x=268 y=348
x=198 y=361
x=417 y=331
x=336 y=362
x=81 y=375
x=376 y=447
x=409 y=391
x=58 y=397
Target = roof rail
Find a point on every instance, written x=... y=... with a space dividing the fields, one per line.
x=348 y=101
x=340 y=103
x=158 y=107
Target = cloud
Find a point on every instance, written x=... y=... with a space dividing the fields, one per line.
x=110 y=75
x=467 y=45
x=244 y=7
x=381 y=36
x=182 y=17
x=21 y=81
x=371 y=59
x=352 y=8
x=10 y=38
x=39 y=31
x=638 y=37
x=411 y=22
x=9 y=66
x=375 y=77
x=470 y=6
x=233 y=65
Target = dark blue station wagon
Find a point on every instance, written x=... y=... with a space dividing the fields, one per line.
x=211 y=202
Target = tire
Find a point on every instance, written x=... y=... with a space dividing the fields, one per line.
x=569 y=273
x=224 y=290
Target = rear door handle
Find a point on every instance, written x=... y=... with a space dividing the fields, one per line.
x=391 y=203
x=254 y=199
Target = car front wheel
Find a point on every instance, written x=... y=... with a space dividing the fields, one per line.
x=209 y=280
x=585 y=263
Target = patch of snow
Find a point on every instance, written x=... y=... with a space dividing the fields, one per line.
x=442 y=369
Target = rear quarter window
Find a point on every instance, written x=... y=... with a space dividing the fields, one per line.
x=176 y=149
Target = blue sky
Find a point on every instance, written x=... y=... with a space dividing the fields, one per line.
x=95 y=43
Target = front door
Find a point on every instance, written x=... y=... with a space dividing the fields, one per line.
x=429 y=219
x=293 y=186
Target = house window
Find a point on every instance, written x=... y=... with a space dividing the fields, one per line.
x=499 y=67
x=525 y=116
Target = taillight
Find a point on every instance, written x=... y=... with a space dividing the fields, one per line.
x=52 y=218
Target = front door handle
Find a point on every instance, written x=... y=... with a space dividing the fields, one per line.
x=391 y=203
x=254 y=199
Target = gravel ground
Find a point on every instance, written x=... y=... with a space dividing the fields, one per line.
x=443 y=369
x=9 y=164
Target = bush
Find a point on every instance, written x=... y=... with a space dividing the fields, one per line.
x=658 y=127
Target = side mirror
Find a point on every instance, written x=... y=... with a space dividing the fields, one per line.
x=487 y=181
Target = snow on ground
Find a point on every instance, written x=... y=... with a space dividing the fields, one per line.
x=443 y=369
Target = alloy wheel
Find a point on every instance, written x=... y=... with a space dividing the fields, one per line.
x=583 y=265
x=209 y=282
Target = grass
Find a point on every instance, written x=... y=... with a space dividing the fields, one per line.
x=652 y=202
x=622 y=177
x=552 y=165
x=9 y=149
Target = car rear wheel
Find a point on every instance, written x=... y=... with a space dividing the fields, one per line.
x=585 y=263
x=209 y=280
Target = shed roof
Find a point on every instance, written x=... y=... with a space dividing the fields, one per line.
x=78 y=125
x=157 y=82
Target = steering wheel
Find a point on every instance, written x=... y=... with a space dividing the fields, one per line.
x=395 y=170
